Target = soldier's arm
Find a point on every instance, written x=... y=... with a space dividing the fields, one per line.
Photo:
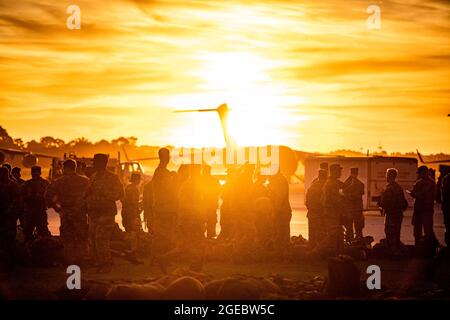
x=118 y=189
x=417 y=191
x=51 y=194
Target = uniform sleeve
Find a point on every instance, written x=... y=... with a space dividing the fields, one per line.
x=118 y=189
x=148 y=200
x=52 y=193
x=417 y=190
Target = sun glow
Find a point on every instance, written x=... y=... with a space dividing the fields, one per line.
x=243 y=81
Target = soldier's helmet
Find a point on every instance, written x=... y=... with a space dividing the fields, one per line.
x=335 y=167
x=164 y=154
x=36 y=170
x=70 y=164
x=323 y=174
x=391 y=173
x=100 y=160
x=16 y=171
x=4 y=174
x=422 y=170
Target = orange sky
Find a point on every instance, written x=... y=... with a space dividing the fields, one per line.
x=308 y=74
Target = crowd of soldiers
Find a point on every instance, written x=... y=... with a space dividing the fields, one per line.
x=180 y=209
x=335 y=208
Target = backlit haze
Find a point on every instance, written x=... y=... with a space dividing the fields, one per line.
x=307 y=74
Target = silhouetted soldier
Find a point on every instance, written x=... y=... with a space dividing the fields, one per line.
x=131 y=211
x=322 y=166
x=445 y=196
x=211 y=191
x=161 y=205
x=226 y=209
x=353 y=192
x=81 y=168
x=424 y=193
x=191 y=206
x=263 y=210
x=35 y=208
x=279 y=189
x=103 y=192
x=244 y=220
x=2 y=157
x=443 y=171
x=8 y=217
x=67 y=195
x=8 y=166
x=15 y=172
x=392 y=203
x=315 y=215
x=334 y=207
x=191 y=216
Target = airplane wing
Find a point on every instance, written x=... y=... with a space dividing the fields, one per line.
x=146 y=159
x=23 y=152
x=433 y=161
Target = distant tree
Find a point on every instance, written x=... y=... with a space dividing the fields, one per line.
x=50 y=142
x=124 y=141
x=80 y=143
x=5 y=139
x=19 y=143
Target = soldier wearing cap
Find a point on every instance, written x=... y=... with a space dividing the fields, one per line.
x=392 y=203
x=315 y=215
x=104 y=190
x=8 y=216
x=160 y=205
x=334 y=207
x=443 y=197
x=15 y=173
x=35 y=208
x=445 y=201
x=211 y=191
x=279 y=191
x=131 y=211
x=67 y=195
x=424 y=194
x=353 y=192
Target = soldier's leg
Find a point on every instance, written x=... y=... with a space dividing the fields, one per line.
x=358 y=222
x=211 y=223
x=348 y=225
x=42 y=223
x=428 y=224
x=335 y=236
x=92 y=232
x=311 y=232
x=83 y=237
x=68 y=238
x=417 y=226
x=103 y=239
x=79 y=230
x=397 y=230
x=388 y=230
x=29 y=226
x=446 y=213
